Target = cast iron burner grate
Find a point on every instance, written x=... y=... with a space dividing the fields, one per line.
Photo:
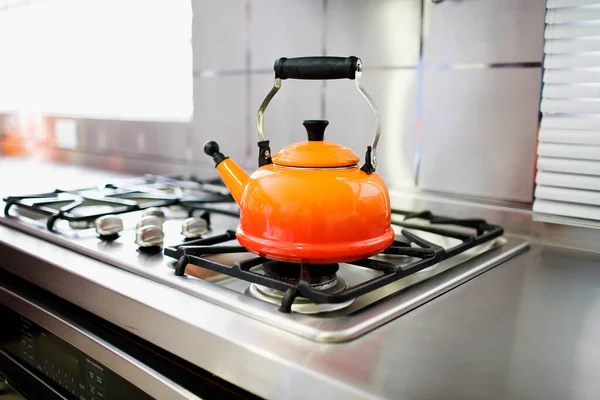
x=128 y=196
x=410 y=245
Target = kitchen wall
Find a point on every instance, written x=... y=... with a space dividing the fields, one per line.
x=457 y=84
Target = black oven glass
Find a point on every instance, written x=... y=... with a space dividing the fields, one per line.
x=71 y=372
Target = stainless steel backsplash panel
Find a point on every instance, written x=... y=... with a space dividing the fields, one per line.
x=482 y=145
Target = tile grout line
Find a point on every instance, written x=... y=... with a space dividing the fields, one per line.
x=248 y=82
x=420 y=73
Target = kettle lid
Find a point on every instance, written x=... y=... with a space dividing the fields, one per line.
x=316 y=152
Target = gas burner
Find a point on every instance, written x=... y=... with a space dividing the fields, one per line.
x=317 y=288
x=300 y=305
x=321 y=275
x=81 y=207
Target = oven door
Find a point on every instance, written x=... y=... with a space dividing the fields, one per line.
x=45 y=355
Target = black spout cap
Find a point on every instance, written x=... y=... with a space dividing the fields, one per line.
x=315 y=128
x=212 y=149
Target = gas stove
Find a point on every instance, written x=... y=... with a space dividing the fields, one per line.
x=180 y=231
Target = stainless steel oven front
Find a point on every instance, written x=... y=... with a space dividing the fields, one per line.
x=45 y=355
x=51 y=349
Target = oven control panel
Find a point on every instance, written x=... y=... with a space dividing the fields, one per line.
x=78 y=375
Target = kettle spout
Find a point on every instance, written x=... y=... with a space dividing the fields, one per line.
x=234 y=177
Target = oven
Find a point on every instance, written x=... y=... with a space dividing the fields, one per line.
x=51 y=349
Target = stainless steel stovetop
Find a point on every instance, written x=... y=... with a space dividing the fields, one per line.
x=363 y=315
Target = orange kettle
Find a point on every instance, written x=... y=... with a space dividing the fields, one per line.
x=311 y=202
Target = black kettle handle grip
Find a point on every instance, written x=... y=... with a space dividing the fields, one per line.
x=316 y=68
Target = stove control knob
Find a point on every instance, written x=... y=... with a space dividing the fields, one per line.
x=149 y=236
x=109 y=225
x=155 y=212
x=194 y=227
x=150 y=220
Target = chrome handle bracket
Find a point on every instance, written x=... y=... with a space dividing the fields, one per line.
x=361 y=89
x=264 y=150
x=260 y=117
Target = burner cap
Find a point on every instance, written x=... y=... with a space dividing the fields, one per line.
x=320 y=274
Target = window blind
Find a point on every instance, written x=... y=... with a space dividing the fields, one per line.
x=568 y=178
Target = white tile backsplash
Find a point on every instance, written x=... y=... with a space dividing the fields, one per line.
x=380 y=32
x=480 y=132
x=219 y=35
x=483 y=31
x=220 y=115
x=284 y=29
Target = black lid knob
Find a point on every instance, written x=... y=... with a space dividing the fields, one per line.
x=315 y=128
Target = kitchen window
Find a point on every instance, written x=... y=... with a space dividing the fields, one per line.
x=101 y=59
